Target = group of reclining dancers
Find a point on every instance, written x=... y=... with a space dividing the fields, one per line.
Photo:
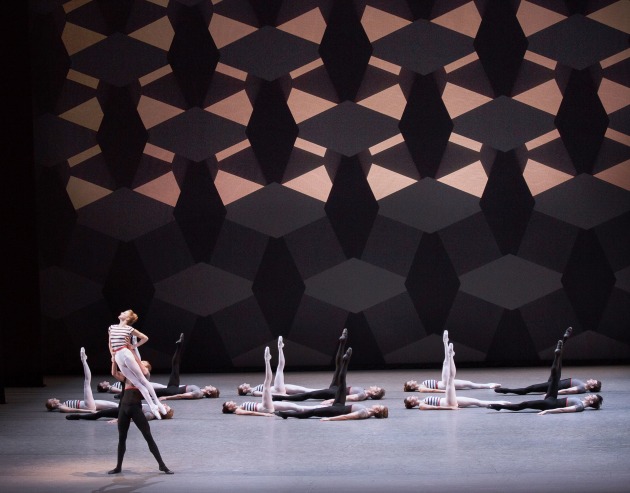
x=280 y=399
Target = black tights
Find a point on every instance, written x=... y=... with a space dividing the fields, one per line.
x=131 y=409
x=173 y=380
x=338 y=407
x=551 y=400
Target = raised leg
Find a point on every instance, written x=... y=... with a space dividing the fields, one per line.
x=445 y=364
x=451 y=396
x=173 y=379
x=341 y=348
x=278 y=382
x=556 y=371
x=88 y=398
x=340 y=396
x=266 y=397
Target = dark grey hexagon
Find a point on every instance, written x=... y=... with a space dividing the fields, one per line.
x=504 y=123
x=119 y=60
x=510 y=282
x=423 y=47
x=196 y=134
x=269 y=53
x=429 y=205
x=348 y=128
x=578 y=42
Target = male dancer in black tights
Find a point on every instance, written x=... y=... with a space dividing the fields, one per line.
x=551 y=404
x=130 y=408
x=339 y=410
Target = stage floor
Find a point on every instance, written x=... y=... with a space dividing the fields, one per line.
x=476 y=450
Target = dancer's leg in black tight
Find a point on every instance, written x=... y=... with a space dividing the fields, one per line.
x=341 y=349
x=322 y=394
x=173 y=380
x=124 y=420
x=540 y=405
x=556 y=371
x=111 y=413
x=143 y=425
x=531 y=389
x=340 y=396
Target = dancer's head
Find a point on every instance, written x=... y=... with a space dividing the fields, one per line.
x=593 y=400
x=103 y=386
x=380 y=411
x=593 y=385
x=244 y=389
x=128 y=317
x=411 y=401
x=375 y=392
x=229 y=407
x=169 y=412
x=147 y=365
x=210 y=391
x=52 y=404
x=410 y=386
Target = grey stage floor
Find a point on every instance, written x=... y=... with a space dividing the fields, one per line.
x=430 y=451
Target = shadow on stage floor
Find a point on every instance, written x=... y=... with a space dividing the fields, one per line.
x=430 y=451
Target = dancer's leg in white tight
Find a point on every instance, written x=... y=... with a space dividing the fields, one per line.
x=128 y=365
x=88 y=398
x=472 y=402
x=445 y=363
x=451 y=397
x=467 y=384
x=278 y=383
x=267 y=401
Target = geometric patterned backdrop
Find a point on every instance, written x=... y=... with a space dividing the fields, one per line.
x=238 y=170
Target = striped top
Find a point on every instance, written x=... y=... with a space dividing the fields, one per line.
x=119 y=336
x=430 y=384
x=433 y=401
x=249 y=406
x=74 y=404
x=258 y=388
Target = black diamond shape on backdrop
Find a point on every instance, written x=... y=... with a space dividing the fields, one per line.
x=345 y=49
x=501 y=45
x=426 y=125
x=275 y=210
x=348 y=128
x=512 y=341
x=192 y=54
x=584 y=201
x=272 y=131
x=269 y=53
x=128 y=286
x=203 y=289
x=196 y=134
x=278 y=287
x=507 y=202
x=588 y=279
x=119 y=60
x=423 y=47
x=432 y=283
x=578 y=42
x=510 y=282
x=504 y=123
x=582 y=121
x=125 y=215
x=56 y=139
x=429 y=205
x=355 y=285
x=121 y=136
x=351 y=207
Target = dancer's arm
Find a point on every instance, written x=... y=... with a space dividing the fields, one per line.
x=569 y=409
x=141 y=338
x=360 y=414
x=185 y=395
x=243 y=412
x=576 y=389
x=427 y=390
x=427 y=407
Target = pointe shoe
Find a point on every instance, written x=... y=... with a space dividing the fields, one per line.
x=156 y=411
x=280 y=342
x=161 y=408
x=83 y=355
x=568 y=333
x=558 y=347
x=166 y=470
x=181 y=339
x=267 y=354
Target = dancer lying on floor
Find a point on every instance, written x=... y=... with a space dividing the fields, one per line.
x=266 y=407
x=339 y=411
x=451 y=400
x=128 y=362
x=440 y=385
x=551 y=404
x=131 y=409
x=112 y=414
x=353 y=393
x=173 y=389
x=565 y=386
x=88 y=404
